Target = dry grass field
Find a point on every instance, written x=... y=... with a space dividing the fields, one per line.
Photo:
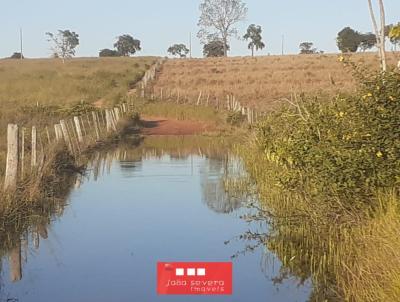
x=49 y=82
x=260 y=81
x=41 y=91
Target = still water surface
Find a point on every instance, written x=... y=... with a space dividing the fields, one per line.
x=134 y=207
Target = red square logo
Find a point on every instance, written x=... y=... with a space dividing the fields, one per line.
x=194 y=278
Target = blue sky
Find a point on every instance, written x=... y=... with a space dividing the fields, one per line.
x=160 y=23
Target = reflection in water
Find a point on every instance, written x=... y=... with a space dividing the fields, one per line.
x=130 y=160
x=305 y=253
x=215 y=194
x=208 y=163
x=15 y=263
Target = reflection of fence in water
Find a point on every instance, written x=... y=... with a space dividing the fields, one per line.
x=15 y=243
x=214 y=172
x=20 y=248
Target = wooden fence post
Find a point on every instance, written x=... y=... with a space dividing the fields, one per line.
x=58 y=131
x=78 y=129
x=85 y=132
x=41 y=156
x=96 y=129
x=102 y=118
x=34 y=148
x=108 y=121
x=48 y=135
x=73 y=135
x=113 y=120
x=116 y=112
x=199 y=98
x=88 y=120
x=22 y=153
x=99 y=124
x=66 y=135
x=12 y=158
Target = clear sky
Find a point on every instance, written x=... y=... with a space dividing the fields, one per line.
x=160 y=23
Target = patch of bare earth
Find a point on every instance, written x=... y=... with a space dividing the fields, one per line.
x=99 y=103
x=162 y=126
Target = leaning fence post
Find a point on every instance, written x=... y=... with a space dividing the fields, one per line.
x=116 y=114
x=12 y=158
x=96 y=129
x=78 y=129
x=34 y=148
x=66 y=135
x=199 y=98
x=48 y=135
x=58 y=131
x=88 y=120
x=113 y=120
x=73 y=136
x=83 y=125
x=108 y=121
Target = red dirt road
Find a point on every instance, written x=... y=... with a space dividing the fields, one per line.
x=162 y=126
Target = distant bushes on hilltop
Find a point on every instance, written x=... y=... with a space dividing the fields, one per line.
x=109 y=53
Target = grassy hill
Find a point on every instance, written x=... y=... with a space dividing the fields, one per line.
x=41 y=91
x=261 y=81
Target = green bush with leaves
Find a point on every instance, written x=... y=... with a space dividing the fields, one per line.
x=345 y=147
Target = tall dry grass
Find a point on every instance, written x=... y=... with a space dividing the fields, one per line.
x=353 y=260
x=261 y=81
x=50 y=82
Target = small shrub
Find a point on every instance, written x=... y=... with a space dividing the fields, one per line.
x=77 y=109
x=136 y=117
x=235 y=118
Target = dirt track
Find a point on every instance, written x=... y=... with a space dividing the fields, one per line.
x=162 y=126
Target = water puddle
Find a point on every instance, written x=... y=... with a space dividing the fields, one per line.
x=166 y=200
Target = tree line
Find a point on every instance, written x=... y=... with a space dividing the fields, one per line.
x=65 y=42
x=218 y=24
x=350 y=40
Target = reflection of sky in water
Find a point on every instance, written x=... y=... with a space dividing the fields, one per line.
x=106 y=245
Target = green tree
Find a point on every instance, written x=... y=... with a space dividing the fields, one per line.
x=126 y=45
x=367 y=41
x=109 y=53
x=16 y=55
x=215 y=48
x=218 y=18
x=178 y=50
x=348 y=40
x=306 y=48
x=64 y=43
x=254 y=35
